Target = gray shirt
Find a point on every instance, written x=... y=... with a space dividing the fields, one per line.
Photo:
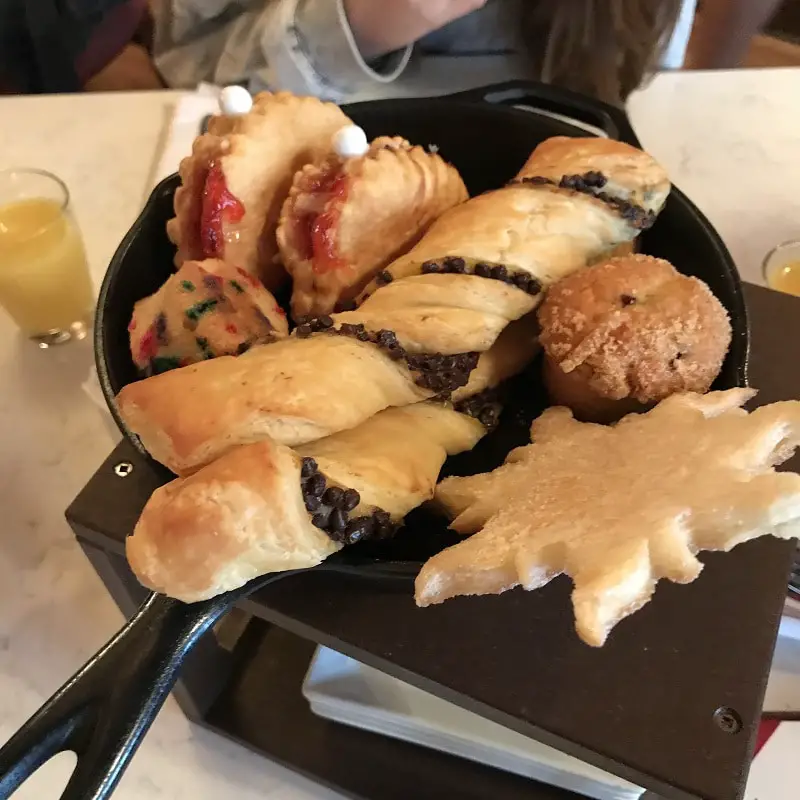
x=307 y=47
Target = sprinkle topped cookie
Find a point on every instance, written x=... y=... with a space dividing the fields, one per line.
x=206 y=309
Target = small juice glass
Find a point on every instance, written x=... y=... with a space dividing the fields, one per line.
x=781 y=268
x=44 y=278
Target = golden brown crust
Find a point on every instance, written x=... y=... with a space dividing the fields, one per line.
x=394 y=458
x=443 y=313
x=386 y=200
x=206 y=309
x=618 y=508
x=630 y=177
x=244 y=515
x=632 y=327
x=573 y=390
x=259 y=153
x=239 y=517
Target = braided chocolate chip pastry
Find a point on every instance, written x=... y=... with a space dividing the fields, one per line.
x=574 y=201
x=238 y=176
x=421 y=327
x=296 y=391
x=266 y=508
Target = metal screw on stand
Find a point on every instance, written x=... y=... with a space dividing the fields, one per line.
x=728 y=720
x=123 y=469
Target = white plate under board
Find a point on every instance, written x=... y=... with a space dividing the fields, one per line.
x=343 y=690
x=783 y=688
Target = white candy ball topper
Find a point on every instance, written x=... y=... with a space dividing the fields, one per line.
x=350 y=142
x=235 y=101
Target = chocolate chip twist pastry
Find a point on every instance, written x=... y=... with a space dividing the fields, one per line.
x=421 y=328
x=574 y=201
x=296 y=391
x=205 y=310
x=266 y=508
x=238 y=176
x=346 y=219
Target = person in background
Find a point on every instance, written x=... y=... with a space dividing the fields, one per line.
x=56 y=46
x=724 y=29
x=338 y=49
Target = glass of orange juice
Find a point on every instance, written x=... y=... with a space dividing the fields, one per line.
x=782 y=268
x=44 y=278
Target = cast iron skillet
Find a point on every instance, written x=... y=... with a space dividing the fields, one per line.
x=103 y=712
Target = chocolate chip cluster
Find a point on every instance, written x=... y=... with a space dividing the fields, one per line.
x=439 y=373
x=590 y=183
x=486 y=407
x=498 y=272
x=331 y=506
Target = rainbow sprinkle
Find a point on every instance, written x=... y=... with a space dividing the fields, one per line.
x=202 y=343
x=200 y=309
x=164 y=364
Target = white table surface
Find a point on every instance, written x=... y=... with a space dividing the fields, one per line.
x=729 y=140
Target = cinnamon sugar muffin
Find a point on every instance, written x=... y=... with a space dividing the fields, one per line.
x=628 y=332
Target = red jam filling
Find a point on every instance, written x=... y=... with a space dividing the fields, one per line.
x=148 y=346
x=317 y=232
x=218 y=206
x=251 y=279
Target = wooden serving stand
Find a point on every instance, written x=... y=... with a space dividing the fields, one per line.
x=670 y=703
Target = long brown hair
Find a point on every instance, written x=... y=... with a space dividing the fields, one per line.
x=604 y=48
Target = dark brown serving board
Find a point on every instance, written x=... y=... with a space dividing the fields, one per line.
x=642 y=707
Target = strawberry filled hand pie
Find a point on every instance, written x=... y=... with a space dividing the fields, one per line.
x=238 y=176
x=206 y=309
x=350 y=215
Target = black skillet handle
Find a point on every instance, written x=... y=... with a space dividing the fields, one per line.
x=613 y=121
x=103 y=712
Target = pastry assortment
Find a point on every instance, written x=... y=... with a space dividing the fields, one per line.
x=420 y=326
x=412 y=304
x=619 y=507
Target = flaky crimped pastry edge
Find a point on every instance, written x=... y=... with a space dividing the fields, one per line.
x=229 y=140
x=436 y=186
x=204 y=149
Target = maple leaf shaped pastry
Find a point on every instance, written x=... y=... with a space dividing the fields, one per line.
x=619 y=507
